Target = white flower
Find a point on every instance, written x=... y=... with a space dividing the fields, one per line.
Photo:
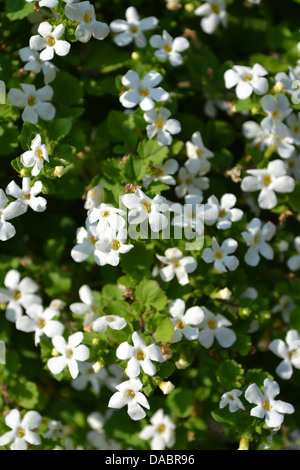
x=140 y=356
x=142 y=92
x=287 y=80
x=106 y=215
x=225 y=210
x=19 y=294
x=142 y=208
x=246 y=80
x=88 y=376
x=277 y=109
x=190 y=182
x=285 y=306
x=198 y=154
x=255 y=2
x=293 y=124
x=22 y=430
x=84 y=14
x=161 y=126
x=185 y=321
x=36 y=157
x=40 y=321
x=129 y=394
x=162 y=173
x=177 y=265
x=55 y=430
x=35 y=102
x=94 y=196
x=214 y=12
x=132 y=29
x=71 y=351
x=36 y=65
x=268 y=181
x=169 y=48
x=48 y=41
x=215 y=326
x=191 y=215
x=110 y=245
x=256 y=237
x=8 y=211
x=46 y=3
x=266 y=406
x=294 y=261
x=289 y=351
x=161 y=431
x=115 y=322
x=28 y=194
x=222 y=256
x=232 y=399
x=89 y=305
x=96 y=437
x=86 y=238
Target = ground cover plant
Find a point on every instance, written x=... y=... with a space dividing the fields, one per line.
x=149 y=225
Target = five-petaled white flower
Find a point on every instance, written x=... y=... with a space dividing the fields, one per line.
x=140 y=356
x=36 y=157
x=28 y=194
x=222 y=256
x=232 y=399
x=132 y=29
x=89 y=305
x=144 y=209
x=48 y=41
x=36 y=103
x=161 y=126
x=40 y=321
x=115 y=322
x=214 y=13
x=128 y=393
x=86 y=239
x=276 y=109
x=256 y=237
x=94 y=196
x=168 y=48
x=225 y=210
x=106 y=215
x=215 y=326
x=266 y=406
x=89 y=376
x=198 y=154
x=110 y=245
x=22 y=430
x=36 y=65
x=19 y=293
x=268 y=182
x=289 y=351
x=163 y=173
x=8 y=211
x=176 y=265
x=190 y=181
x=185 y=321
x=143 y=92
x=69 y=353
x=247 y=80
x=161 y=431
x=83 y=14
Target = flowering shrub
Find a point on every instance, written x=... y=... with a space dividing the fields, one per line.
x=149 y=225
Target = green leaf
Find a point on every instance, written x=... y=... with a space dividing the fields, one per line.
x=26 y=394
x=151 y=151
x=133 y=169
x=121 y=127
x=230 y=374
x=164 y=331
x=67 y=88
x=60 y=128
x=180 y=401
x=151 y=295
x=9 y=138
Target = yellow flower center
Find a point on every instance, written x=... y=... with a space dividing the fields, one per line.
x=140 y=355
x=147 y=206
x=39 y=154
x=93 y=240
x=267 y=180
x=211 y=324
x=230 y=397
x=143 y=92
x=17 y=294
x=266 y=405
x=275 y=114
x=215 y=8
x=167 y=48
x=105 y=213
x=50 y=40
x=130 y=394
x=161 y=428
x=159 y=123
x=219 y=254
x=31 y=101
x=222 y=213
x=87 y=18
x=158 y=172
x=294 y=353
x=199 y=153
x=188 y=181
x=69 y=353
x=41 y=323
x=175 y=262
x=134 y=29
x=256 y=239
x=26 y=196
x=180 y=324
x=115 y=244
x=21 y=432
x=248 y=77
x=296 y=129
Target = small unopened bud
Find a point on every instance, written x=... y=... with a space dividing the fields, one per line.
x=244 y=444
x=58 y=171
x=166 y=387
x=135 y=56
x=98 y=366
x=95 y=342
x=182 y=363
x=277 y=88
x=189 y=7
x=54 y=352
x=23 y=172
